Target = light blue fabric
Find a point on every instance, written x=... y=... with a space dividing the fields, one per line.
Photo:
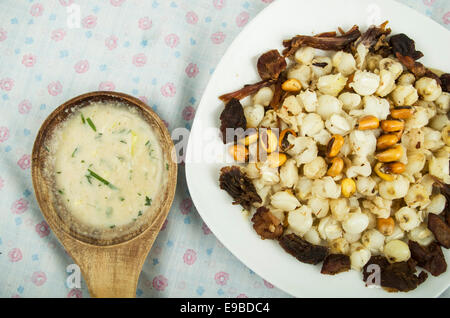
x=160 y=51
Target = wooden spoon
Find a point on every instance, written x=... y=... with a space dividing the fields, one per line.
x=111 y=265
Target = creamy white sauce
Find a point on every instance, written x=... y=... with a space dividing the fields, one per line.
x=108 y=165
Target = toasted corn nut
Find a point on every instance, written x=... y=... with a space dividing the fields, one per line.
x=379 y=171
x=283 y=141
x=392 y=125
x=292 y=85
x=337 y=165
x=393 y=167
x=386 y=141
x=402 y=112
x=251 y=138
x=334 y=145
x=399 y=133
x=268 y=140
x=348 y=187
x=368 y=122
x=390 y=155
x=386 y=226
x=239 y=153
x=276 y=159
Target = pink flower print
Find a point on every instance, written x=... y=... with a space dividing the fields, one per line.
x=164 y=226
x=267 y=284
x=2 y=183
x=66 y=3
x=218 y=37
x=58 y=35
x=15 y=255
x=185 y=206
x=172 y=40
x=89 y=22
x=19 y=206
x=221 y=278
x=4 y=134
x=6 y=84
x=160 y=283
x=24 y=162
x=242 y=296
x=189 y=257
x=446 y=18
x=24 y=107
x=29 y=60
x=145 y=23
x=143 y=99
x=75 y=293
x=192 y=70
x=116 y=3
x=219 y=4
x=38 y=278
x=106 y=86
x=36 y=10
x=54 y=88
x=206 y=229
x=429 y=2
x=139 y=60
x=191 y=17
x=81 y=66
x=42 y=229
x=188 y=113
x=3 y=35
x=168 y=90
x=242 y=19
x=111 y=42
x=165 y=123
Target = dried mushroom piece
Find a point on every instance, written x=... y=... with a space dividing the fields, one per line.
x=267 y=225
x=445 y=82
x=324 y=41
x=239 y=186
x=429 y=257
x=440 y=229
x=375 y=38
x=270 y=65
x=394 y=277
x=302 y=250
x=247 y=90
x=232 y=117
x=335 y=264
x=404 y=45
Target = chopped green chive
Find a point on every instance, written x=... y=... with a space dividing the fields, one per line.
x=139 y=194
x=61 y=191
x=148 y=201
x=167 y=166
x=140 y=213
x=91 y=124
x=82 y=119
x=123 y=141
x=46 y=148
x=112 y=226
x=88 y=177
x=58 y=172
x=74 y=152
x=147 y=143
x=122 y=199
x=106 y=182
x=99 y=136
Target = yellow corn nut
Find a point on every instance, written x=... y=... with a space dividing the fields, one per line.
x=391 y=154
x=283 y=142
x=348 y=187
x=381 y=174
x=386 y=226
x=249 y=139
x=292 y=85
x=239 y=153
x=268 y=140
x=368 y=122
x=392 y=125
x=334 y=145
x=393 y=167
x=386 y=141
x=276 y=159
x=337 y=165
x=402 y=112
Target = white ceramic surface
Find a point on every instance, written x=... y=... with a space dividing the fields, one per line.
x=282 y=20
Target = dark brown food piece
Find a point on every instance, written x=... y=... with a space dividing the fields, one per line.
x=270 y=65
x=402 y=44
x=321 y=65
x=267 y=225
x=278 y=95
x=232 y=117
x=445 y=82
x=440 y=229
x=324 y=41
x=335 y=264
x=302 y=250
x=247 y=90
x=239 y=186
x=429 y=257
x=395 y=277
x=375 y=39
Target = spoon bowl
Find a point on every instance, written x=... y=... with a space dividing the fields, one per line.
x=111 y=262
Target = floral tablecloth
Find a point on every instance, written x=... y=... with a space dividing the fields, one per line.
x=160 y=51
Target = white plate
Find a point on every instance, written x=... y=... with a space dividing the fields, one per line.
x=282 y=20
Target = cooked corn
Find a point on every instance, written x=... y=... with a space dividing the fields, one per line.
x=392 y=125
x=239 y=153
x=368 y=122
x=292 y=85
x=402 y=112
x=337 y=164
x=334 y=145
x=390 y=155
x=386 y=141
x=348 y=187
